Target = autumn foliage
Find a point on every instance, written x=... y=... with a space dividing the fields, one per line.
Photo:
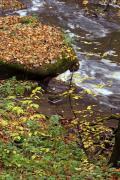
x=26 y=41
x=11 y=5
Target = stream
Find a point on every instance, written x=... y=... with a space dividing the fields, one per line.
x=95 y=37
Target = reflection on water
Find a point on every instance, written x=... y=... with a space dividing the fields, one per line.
x=96 y=42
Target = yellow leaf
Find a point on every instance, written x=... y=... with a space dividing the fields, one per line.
x=85 y=2
x=33 y=157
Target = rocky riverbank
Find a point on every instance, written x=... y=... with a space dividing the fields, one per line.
x=51 y=129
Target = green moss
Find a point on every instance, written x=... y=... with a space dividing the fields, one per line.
x=29 y=20
x=59 y=66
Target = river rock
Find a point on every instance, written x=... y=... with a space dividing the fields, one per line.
x=29 y=45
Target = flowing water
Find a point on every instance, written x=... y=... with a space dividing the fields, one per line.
x=96 y=40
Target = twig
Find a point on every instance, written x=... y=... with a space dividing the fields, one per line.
x=81 y=144
x=107 y=5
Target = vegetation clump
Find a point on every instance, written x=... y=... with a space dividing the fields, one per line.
x=33 y=146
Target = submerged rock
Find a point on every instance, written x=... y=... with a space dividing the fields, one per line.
x=29 y=45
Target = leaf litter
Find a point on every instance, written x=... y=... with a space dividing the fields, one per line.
x=26 y=41
x=11 y=5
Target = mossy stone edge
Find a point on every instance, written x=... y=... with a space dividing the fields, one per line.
x=52 y=69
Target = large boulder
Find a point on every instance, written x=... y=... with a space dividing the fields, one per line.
x=34 y=47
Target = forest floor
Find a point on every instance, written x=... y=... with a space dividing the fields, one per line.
x=35 y=146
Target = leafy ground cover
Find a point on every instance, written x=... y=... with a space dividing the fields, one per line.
x=11 y=5
x=33 y=146
x=30 y=44
x=88 y=124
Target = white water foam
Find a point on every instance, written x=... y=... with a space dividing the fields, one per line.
x=36 y=5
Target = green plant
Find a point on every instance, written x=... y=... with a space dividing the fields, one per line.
x=29 y=20
x=33 y=146
x=67 y=39
x=11 y=87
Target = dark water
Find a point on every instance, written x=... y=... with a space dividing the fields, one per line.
x=96 y=37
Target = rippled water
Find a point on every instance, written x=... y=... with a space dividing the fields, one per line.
x=96 y=42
